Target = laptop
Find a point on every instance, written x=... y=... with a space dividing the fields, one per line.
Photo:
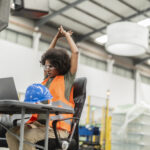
x=8 y=89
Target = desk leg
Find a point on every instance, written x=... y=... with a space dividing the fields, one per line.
x=22 y=129
x=46 y=131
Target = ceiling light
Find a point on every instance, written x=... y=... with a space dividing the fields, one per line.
x=145 y=22
x=127 y=39
x=102 y=39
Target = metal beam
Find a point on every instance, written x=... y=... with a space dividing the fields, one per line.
x=83 y=11
x=75 y=20
x=139 y=13
x=78 y=22
x=45 y=19
x=135 y=9
x=141 y=61
x=54 y=27
x=108 y=9
x=86 y=36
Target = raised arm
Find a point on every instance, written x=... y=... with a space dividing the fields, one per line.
x=73 y=48
x=56 y=37
x=52 y=45
x=54 y=41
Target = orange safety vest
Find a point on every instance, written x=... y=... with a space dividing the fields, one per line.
x=57 y=90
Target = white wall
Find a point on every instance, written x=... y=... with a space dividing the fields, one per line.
x=21 y=63
x=121 y=89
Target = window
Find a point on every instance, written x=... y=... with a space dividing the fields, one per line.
x=98 y=64
x=145 y=79
x=43 y=46
x=11 y=36
x=123 y=72
x=3 y=34
x=16 y=37
x=24 y=40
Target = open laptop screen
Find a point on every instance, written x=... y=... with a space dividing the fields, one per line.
x=8 y=89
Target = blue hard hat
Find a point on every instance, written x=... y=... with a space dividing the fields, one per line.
x=37 y=93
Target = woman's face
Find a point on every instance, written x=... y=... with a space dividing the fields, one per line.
x=50 y=70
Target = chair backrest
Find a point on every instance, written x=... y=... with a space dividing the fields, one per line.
x=79 y=95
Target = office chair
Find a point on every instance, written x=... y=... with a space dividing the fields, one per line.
x=72 y=142
x=5 y=124
x=3 y=142
x=4 y=120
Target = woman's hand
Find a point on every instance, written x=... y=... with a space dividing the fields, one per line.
x=62 y=32
x=59 y=34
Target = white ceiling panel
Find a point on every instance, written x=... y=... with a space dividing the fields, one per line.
x=96 y=35
x=148 y=13
x=117 y=6
x=98 y=11
x=60 y=20
x=84 y=18
x=139 y=4
x=138 y=18
x=56 y=5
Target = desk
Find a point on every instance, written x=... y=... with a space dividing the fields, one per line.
x=16 y=107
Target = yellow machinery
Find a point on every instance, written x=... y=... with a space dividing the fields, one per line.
x=105 y=134
x=105 y=137
x=88 y=111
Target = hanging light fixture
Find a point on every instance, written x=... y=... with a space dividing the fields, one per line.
x=127 y=39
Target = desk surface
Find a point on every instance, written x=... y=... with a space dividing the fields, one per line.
x=14 y=107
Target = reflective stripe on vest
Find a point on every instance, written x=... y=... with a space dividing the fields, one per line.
x=57 y=117
x=60 y=103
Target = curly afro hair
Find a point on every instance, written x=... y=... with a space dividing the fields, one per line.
x=59 y=58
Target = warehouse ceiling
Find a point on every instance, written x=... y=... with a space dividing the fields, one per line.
x=88 y=19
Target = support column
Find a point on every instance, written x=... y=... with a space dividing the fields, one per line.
x=136 y=78
x=36 y=41
x=110 y=63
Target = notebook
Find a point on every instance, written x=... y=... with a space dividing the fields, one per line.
x=8 y=89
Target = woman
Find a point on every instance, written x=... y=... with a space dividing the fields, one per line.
x=59 y=70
